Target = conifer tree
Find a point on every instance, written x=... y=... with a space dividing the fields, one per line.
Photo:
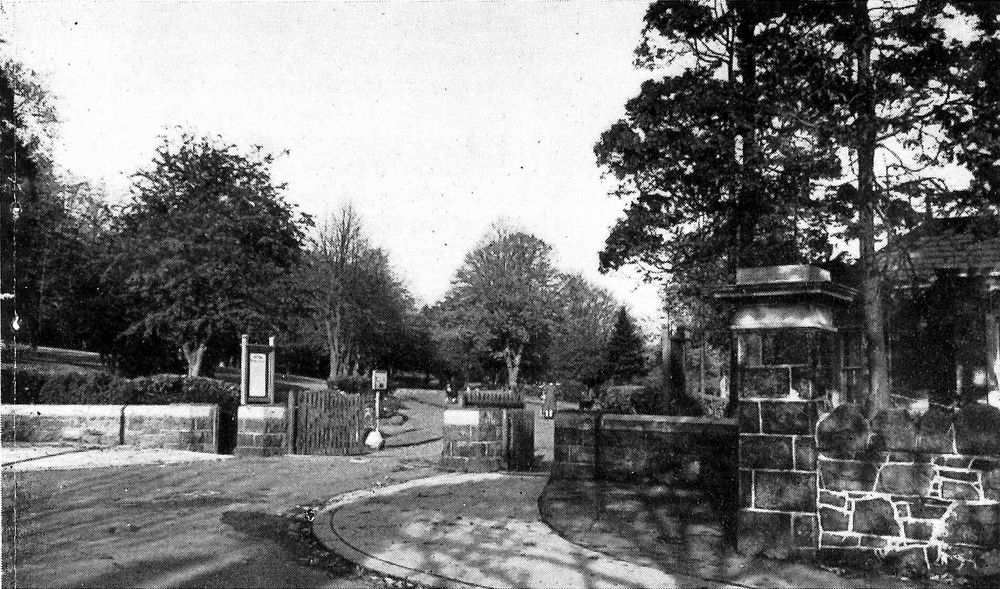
x=625 y=350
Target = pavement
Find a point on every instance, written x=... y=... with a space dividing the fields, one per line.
x=522 y=530
x=472 y=530
x=26 y=457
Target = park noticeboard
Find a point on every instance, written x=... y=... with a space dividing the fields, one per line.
x=257 y=372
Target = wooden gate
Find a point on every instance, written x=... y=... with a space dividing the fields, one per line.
x=326 y=422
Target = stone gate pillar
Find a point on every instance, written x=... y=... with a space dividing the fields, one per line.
x=786 y=365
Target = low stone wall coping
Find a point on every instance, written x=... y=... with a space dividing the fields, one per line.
x=173 y=410
x=671 y=419
x=262 y=411
x=668 y=424
x=64 y=410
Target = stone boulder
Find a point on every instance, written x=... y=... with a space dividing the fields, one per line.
x=876 y=516
x=976 y=524
x=934 y=433
x=894 y=429
x=843 y=432
x=977 y=430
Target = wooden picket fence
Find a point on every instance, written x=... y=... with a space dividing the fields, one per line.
x=327 y=422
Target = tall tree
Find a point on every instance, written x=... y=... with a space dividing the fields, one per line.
x=625 y=350
x=207 y=240
x=361 y=308
x=28 y=120
x=716 y=157
x=578 y=349
x=880 y=81
x=897 y=87
x=501 y=298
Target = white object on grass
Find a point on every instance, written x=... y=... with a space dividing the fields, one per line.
x=374 y=440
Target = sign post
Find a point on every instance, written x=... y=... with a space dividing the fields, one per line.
x=257 y=372
x=380 y=381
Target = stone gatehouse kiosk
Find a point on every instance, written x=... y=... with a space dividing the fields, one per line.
x=817 y=476
x=785 y=363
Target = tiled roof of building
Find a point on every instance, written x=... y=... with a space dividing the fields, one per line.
x=964 y=244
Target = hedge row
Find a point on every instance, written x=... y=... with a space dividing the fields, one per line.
x=76 y=388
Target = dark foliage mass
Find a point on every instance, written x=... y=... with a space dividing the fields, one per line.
x=774 y=126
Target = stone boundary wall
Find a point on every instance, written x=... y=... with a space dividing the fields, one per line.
x=262 y=430
x=592 y=445
x=487 y=439
x=924 y=489
x=575 y=453
x=191 y=427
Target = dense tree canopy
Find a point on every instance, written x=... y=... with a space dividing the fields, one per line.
x=777 y=122
x=715 y=167
x=28 y=120
x=501 y=299
x=205 y=243
x=578 y=350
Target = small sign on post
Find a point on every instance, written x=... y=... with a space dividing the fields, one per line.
x=380 y=380
x=257 y=372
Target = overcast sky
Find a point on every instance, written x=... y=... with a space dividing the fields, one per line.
x=435 y=118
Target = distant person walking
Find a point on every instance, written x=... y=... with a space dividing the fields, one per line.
x=549 y=400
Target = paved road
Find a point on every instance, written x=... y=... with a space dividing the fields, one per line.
x=131 y=518
x=125 y=517
x=226 y=523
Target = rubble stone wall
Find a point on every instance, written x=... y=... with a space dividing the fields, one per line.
x=927 y=487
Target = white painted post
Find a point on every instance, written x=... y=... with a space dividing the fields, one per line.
x=270 y=369
x=244 y=367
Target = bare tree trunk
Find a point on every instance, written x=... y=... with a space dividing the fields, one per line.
x=871 y=291
x=334 y=342
x=194 y=354
x=749 y=192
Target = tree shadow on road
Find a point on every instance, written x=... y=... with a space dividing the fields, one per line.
x=473 y=531
x=301 y=561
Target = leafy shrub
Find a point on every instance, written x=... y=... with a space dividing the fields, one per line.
x=629 y=399
x=77 y=388
x=140 y=356
x=349 y=384
x=159 y=389
x=23 y=385
x=572 y=391
x=530 y=390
